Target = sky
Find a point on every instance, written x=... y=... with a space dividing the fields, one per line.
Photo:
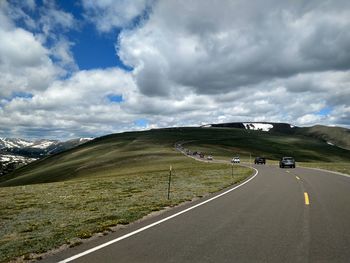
x=88 y=68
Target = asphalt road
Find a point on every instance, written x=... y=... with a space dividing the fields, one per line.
x=282 y=215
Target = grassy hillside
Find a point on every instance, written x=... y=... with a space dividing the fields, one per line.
x=335 y=135
x=100 y=186
x=128 y=153
x=117 y=179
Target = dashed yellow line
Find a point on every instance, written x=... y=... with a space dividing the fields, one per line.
x=307 y=200
x=298 y=178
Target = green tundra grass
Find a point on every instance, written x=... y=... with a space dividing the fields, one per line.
x=117 y=179
x=112 y=181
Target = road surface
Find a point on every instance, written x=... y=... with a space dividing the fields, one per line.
x=281 y=215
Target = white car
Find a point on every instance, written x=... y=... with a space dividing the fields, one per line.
x=235 y=160
x=210 y=158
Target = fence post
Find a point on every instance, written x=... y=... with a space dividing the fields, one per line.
x=169 y=182
x=232 y=172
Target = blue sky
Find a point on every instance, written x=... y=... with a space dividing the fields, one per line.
x=325 y=111
x=91 y=49
x=87 y=68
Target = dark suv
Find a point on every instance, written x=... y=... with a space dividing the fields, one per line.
x=287 y=162
x=260 y=160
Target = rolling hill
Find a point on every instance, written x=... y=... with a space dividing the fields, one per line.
x=337 y=136
x=127 y=153
x=333 y=135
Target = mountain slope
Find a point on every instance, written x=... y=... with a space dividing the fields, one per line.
x=127 y=153
x=337 y=136
x=14 y=143
x=333 y=135
x=38 y=148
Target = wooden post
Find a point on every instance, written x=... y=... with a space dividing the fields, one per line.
x=169 y=182
x=232 y=172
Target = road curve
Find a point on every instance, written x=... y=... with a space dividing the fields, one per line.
x=266 y=220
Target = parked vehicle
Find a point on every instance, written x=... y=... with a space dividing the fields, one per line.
x=235 y=160
x=287 y=162
x=260 y=160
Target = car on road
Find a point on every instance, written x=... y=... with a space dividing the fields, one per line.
x=210 y=158
x=235 y=160
x=287 y=162
x=260 y=160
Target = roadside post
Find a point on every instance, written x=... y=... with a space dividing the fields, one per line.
x=169 y=182
x=232 y=172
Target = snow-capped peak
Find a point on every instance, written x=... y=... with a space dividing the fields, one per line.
x=14 y=143
x=43 y=144
x=258 y=126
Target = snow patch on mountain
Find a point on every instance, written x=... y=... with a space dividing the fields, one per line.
x=85 y=139
x=258 y=126
x=43 y=144
x=15 y=158
x=14 y=143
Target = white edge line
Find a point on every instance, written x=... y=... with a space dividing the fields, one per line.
x=156 y=223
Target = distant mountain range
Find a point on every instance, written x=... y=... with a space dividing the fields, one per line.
x=16 y=152
x=337 y=136
x=37 y=148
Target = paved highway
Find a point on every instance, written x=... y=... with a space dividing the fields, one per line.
x=281 y=215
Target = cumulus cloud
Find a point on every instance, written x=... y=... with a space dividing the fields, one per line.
x=296 y=54
x=52 y=25
x=282 y=61
x=77 y=105
x=109 y=14
x=219 y=48
x=24 y=62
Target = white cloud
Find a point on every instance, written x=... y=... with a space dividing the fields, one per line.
x=309 y=119
x=77 y=106
x=25 y=59
x=52 y=20
x=24 y=63
x=247 y=45
x=271 y=61
x=61 y=50
x=109 y=14
x=222 y=61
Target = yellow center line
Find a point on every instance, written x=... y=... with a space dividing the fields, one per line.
x=298 y=178
x=307 y=201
